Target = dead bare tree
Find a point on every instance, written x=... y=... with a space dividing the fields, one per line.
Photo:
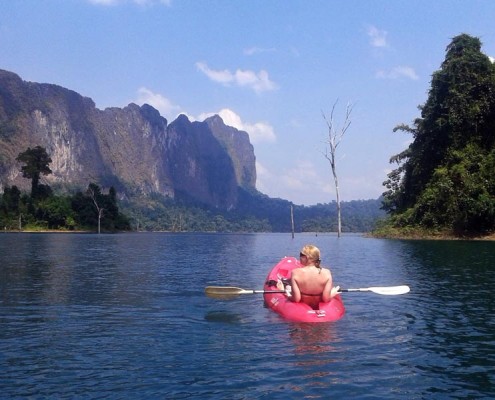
x=93 y=192
x=335 y=136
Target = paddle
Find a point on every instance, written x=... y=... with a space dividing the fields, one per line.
x=385 y=290
x=227 y=292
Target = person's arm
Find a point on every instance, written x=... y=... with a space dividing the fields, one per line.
x=296 y=292
x=327 y=291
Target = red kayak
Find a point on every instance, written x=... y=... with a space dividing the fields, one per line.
x=300 y=312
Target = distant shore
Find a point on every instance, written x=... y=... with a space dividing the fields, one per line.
x=398 y=235
x=421 y=235
x=44 y=231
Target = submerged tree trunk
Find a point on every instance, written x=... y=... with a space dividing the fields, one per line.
x=334 y=137
x=339 y=217
x=93 y=192
x=292 y=219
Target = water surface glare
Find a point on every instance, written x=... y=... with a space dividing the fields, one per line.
x=125 y=316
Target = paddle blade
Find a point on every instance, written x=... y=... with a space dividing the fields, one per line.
x=229 y=292
x=390 y=290
x=223 y=292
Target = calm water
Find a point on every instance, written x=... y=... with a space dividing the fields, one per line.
x=125 y=316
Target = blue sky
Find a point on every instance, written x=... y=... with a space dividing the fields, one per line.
x=267 y=67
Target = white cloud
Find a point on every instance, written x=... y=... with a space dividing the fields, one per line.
x=397 y=73
x=378 y=38
x=256 y=50
x=166 y=108
x=223 y=77
x=258 y=131
x=491 y=59
x=259 y=82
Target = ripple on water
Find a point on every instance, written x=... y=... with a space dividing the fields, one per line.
x=125 y=316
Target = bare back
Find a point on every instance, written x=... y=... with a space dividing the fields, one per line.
x=311 y=285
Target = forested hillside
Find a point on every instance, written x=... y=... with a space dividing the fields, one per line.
x=445 y=179
x=43 y=209
x=256 y=213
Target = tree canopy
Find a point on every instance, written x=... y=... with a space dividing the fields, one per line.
x=36 y=162
x=44 y=210
x=445 y=178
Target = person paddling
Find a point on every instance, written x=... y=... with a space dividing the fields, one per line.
x=311 y=284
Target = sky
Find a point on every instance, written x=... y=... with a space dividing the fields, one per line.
x=275 y=69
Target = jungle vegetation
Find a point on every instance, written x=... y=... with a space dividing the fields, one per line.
x=43 y=210
x=445 y=180
x=92 y=210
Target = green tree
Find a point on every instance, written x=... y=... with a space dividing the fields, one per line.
x=10 y=199
x=96 y=209
x=440 y=180
x=9 y=206
x=37 y=163
x=56 y=212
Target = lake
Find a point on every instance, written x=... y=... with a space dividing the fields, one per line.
x=125 y=316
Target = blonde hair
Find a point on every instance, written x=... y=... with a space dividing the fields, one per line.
x=312 y=252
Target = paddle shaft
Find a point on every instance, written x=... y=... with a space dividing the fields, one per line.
x=222 y=291
x=375 y=290
x=263 y=291
x=384 y=290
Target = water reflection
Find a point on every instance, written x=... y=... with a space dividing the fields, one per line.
x=313 y=347
x=454 y=314
x=311 y=339
x=223 y=316
x=126 y=315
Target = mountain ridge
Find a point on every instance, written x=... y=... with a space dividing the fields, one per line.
x=132 y=148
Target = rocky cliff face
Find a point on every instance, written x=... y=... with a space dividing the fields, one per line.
x=133 y=148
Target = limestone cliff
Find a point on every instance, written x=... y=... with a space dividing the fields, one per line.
x=132 y=148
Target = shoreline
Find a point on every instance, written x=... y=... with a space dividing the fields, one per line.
x=431 y=236
x=45 y=231
x=372 y=235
